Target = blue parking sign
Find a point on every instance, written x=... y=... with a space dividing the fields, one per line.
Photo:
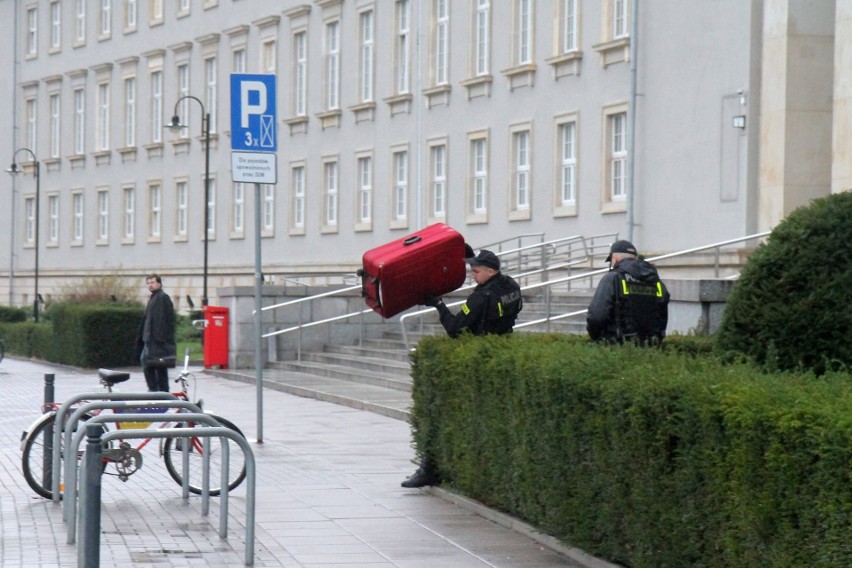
x=253 y=116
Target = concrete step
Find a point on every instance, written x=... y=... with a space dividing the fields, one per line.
x=359 y=363
x=396 y=381
x=384 y=401
x=394 y=353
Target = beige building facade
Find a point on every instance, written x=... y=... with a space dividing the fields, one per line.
x=673 y=124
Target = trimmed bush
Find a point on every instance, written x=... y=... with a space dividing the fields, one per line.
x=646 y=457
x=792 y=306
x=95 y=335
x=12 y=315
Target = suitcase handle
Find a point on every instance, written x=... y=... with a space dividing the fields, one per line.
x=411 y=240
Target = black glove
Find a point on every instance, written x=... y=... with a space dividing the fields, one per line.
x=431 y=301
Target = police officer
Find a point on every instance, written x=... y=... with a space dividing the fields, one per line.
x=491 y=308
x=630 y=302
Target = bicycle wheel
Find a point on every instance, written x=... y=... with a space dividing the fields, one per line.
x=173 y=456
x=37 y=459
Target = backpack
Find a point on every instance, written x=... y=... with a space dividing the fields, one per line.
x=639 y=309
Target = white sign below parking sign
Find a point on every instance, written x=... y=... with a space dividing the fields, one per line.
x=254 y=167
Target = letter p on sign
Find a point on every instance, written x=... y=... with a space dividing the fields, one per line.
x=251 y=104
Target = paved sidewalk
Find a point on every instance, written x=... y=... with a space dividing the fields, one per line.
x=328 y=494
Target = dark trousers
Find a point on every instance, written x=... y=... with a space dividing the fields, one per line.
x=156 y=377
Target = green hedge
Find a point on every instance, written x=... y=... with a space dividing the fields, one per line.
x=12 y=315
x=95 y=335
x=646 y=457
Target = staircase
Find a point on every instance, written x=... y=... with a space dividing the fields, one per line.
x=376 y=375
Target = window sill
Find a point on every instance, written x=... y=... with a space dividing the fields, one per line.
x=399 y=104
x=437 y=96
x=520 y=214
x=297 y=124
x=478 y=86
x=127 y=154
x=297 y=232
x=77 y=161
x=103 y=157
x=154 y=150
x=520 y=75
x=615 y=51
x=329 y=118
x=364 y=112
x=608 y=207
x=565 y=64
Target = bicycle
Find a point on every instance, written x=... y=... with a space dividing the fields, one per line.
x=127 y=458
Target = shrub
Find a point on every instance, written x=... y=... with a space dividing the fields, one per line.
x=95 y=335
x=792 y=306
x=108 y=287
x=12 y=315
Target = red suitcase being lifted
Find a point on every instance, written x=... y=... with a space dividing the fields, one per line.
x=400 y=274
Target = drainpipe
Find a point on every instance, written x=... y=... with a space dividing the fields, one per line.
x=631 y=117
x=14 y=143
x=415 y=100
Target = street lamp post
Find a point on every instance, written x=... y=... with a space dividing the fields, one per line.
x=175 y=126
x=13 y=170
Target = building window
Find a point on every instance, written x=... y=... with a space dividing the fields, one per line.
x=29 y=211
x=438 y=182
x=55 y=26
x=238 y=209
x=400 y=186
x=156 y=107
x=211 y=209
x=102 y=123
x=154 y=211
x=155 y=12
x=103 y=216
x=53 y=214
x=77 y=226
x=130 y=112
x=55 y=125
x=441 y=42
x=183 y=8
x=297 y=184
x=131 y=11
x=482 y=38
x=300 y=73
x=330 y=178
x=31 y=117
x=268 y=211
x=332 y=65
x=402 y=47
x=617 y=156
x=238 y=60
x=365 y=189
x=268 y=62
x=211 y=73
x=79 y=121
x=181 y=209
x=32 y=31
x=79 y=22
x=106 y=19
x=567 y=153
x=568 y=23
x=366 y=64
x=620 y=27
x=523 y=36
x=129 y=228
x=521 y=170
x=183 y=91
x=478 y=176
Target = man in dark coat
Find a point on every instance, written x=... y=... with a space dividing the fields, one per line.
x=156 y=336
x=630 y=302
x=491 y=308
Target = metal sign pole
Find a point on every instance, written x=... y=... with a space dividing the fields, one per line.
x=258 y=305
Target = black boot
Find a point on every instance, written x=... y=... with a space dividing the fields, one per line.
x=425 y=475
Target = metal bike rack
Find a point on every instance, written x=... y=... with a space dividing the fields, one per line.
x=88 y=553
x=60 y=417
x=71 y=494
x=114 y=404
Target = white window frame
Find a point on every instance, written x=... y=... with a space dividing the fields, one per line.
x=29 y=215
x=238 y=59
x=53 y=215
x=367 y=57
x=32 y=31
x=402 y=47
x=155 y=12
x=300 y=73
x=105 y=19
x=155 y=211
x=478 y=167
x=130 y=112
x=238 y=210
x=156 y=80
x=55 y=26
x=524 y=32
x=268 y=56
x=211 y=208
x=79 y=22
x=364 y=207
x=31 y=117
x=78 y=203
x=569 y=24
x=103 y=216
x=441 y=42
x=567 y=163
x=330 y=184
x=298 y=183
x=267 y=213
x=521 y=175
x=79 y=121
x=181 y=209
x=616 y=156
x=332 y=65
x=620 y=19
x=400 y=185
x=183 y=91
x=438 y=179
x=131 y=15
x=102 y=125
x=482 y=38
x=55 y=125
x=183 y=8
x=211 y=90
x=129 y=217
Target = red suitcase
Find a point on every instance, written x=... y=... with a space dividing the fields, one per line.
x=400 y=274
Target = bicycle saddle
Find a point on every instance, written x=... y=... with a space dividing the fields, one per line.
x=112 y=377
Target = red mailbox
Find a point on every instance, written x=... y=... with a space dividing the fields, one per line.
x=215 y=337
